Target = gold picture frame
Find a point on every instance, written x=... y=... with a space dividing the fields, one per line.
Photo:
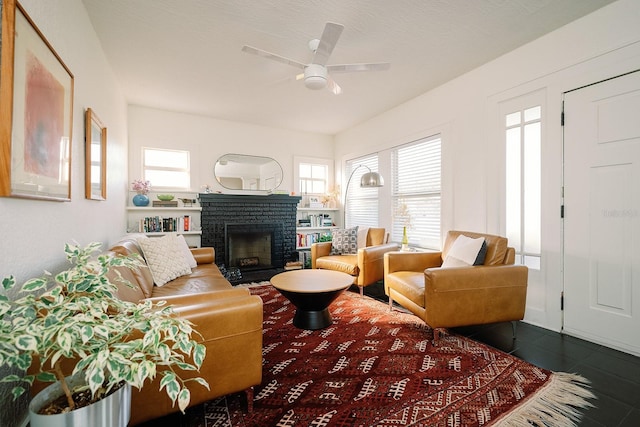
x=95 y=178
x=36 y=112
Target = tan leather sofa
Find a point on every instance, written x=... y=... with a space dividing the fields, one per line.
x=449 y=297
x=366 y=267
x=229 y=320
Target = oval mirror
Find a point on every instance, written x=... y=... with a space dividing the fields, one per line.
x=243 y=172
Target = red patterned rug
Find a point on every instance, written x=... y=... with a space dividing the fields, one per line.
x=376 y=367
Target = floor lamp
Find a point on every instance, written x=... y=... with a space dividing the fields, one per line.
x=368 y=180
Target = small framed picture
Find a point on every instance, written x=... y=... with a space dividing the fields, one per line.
x=314 y=202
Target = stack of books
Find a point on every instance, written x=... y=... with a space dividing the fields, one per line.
x=165 y=203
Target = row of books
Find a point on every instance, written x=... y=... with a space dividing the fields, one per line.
x=322 y=220
x=158 y=224
x=304 y=257
x=306 y=239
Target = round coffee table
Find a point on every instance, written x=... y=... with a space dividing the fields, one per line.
x=311 y=291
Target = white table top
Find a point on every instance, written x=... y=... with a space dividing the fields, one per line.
x=311 y=281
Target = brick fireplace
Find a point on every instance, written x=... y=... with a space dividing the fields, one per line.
x=250 y=232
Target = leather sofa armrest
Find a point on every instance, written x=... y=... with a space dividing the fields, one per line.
x=201 y=297
x=205 y=255
x=214 y=316
x=318 y=250
x=411 y=261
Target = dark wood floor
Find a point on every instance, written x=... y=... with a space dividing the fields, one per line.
x=614 y=376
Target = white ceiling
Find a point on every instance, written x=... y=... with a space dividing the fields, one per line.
x=185 y=55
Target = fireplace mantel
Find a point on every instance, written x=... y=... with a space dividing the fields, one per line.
x=220 y=210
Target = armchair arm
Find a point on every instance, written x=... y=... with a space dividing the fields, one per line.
x=447 y=280
x=371 y=263
x=411 y=261
x=318 y=250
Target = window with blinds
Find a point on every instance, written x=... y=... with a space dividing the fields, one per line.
x=361 y=207
x=416 y=192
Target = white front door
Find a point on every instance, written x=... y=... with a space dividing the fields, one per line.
x=602 y=213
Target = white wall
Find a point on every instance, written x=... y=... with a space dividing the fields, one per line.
x=207 y=139
x=465 y=110
x=34 y=232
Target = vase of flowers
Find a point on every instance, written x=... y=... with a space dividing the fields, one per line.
x=142 y=188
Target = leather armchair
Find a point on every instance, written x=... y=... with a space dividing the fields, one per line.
x=366 y=267
x=461 y=296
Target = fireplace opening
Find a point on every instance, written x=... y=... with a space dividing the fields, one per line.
x=252 y=247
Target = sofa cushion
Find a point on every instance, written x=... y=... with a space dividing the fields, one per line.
x=164 y=258
x=129 y=246
x=344 y=241
x=464 y=252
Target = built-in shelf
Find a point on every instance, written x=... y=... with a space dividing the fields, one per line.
x=162 y=209
x=176 y=213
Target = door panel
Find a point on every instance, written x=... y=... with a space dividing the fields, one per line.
x=602 y=212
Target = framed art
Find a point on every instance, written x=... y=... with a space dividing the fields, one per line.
x=95 y=179
x=36 y=112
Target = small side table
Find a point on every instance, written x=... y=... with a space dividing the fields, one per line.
x=311 y=291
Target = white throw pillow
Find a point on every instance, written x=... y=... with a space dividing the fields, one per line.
x=186 y=252
x=164 y=258
x=463 y=252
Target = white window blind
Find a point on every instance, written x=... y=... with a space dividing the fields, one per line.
x=361 y=203
x=416 y=193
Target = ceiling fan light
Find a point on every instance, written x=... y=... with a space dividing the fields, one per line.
x=315 y=82
x=315 y=76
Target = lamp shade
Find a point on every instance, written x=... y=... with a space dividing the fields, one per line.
x=371 y=179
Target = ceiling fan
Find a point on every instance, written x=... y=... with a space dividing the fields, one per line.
x=316 y=74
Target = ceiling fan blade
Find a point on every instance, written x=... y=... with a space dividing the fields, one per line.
x=273 y=56
x=328 y=41
x=349 y=68
x=333 y=86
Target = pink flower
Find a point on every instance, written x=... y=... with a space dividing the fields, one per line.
x=141 y=187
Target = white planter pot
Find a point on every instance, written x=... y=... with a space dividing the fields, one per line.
x=112 y=411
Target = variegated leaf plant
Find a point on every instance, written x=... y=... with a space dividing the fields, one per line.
x=76 y=315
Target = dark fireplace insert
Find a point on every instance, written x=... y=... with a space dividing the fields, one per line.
x=254 y=246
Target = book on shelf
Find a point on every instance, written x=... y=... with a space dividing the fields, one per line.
x=304 y=257
x=165 y=204
x=293 y=265
x=307 y=239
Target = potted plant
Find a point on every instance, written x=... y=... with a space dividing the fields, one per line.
x=76 y=317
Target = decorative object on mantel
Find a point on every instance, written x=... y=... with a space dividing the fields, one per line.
x=142 y=188
x=165 y=201
x=330 y=199
x=367 y=180
x=207 y=188
x=188 y=202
